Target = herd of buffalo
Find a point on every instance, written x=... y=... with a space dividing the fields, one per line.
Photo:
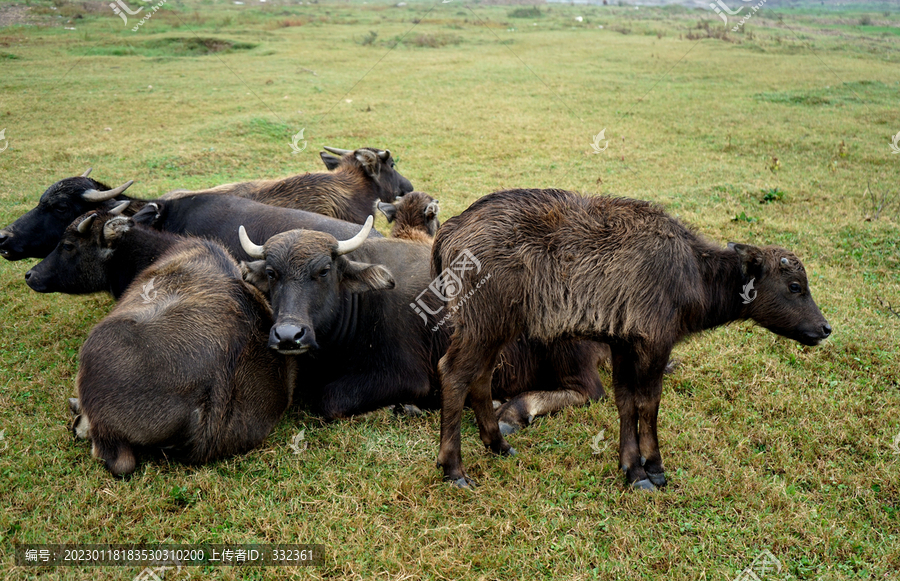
x=236 y=301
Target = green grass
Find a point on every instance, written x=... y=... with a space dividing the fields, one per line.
x=769 y=445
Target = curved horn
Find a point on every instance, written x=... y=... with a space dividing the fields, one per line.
x=347 y=246
x=98 y=196
x=337 y=151
x=252 y=250
x=119 y=208
x=85 y=225
x=87 y=173
x=384 y=154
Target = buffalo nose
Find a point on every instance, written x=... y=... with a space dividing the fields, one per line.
x=28 y=275
x=826 y=329
x=291 y=337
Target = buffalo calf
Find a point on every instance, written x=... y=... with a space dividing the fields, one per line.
x=414 y=217
x=613 y=270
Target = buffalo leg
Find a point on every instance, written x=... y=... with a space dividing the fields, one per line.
x=576 y=380
x=624 y=382
x=466 y=369
x=117 y=454
x=647 y=400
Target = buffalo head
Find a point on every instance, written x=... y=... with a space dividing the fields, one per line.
x=377 y=164
x=77 y=264
x=37 y=232
x=310 y=281
x=776 y=294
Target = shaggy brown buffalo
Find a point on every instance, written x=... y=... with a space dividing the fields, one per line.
x=352 y=311
x=620 y=271
x=181 y=362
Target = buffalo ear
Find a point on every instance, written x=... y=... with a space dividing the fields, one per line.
x=359 y=277
x=752 y=260
x=431 y=210
x=255 y=274
x=389 y=210
x=331 y=161
x=148 y=215
x=369 y=161
x=115 y=227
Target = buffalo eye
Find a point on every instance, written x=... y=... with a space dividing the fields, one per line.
x=68 y=246
x=271 y=274
x=61 y=208
x=794 y=287
x=324 y=272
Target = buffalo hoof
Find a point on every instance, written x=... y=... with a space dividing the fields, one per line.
x=507 y=429
x=464 y=482
x=657 y=478
x=510 y=452
x=671 y=366
x=644 y=484
x=408 y=410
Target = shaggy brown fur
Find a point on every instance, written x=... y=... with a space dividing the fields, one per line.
x=347 y=193
x=414 y=217
x=181 y=363
x=613 y=270
x=367 y=348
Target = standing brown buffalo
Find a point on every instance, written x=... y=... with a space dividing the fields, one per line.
x=561 y=265
x=181 y=362
x=360 y=318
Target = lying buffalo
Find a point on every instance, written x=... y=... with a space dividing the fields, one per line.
x=346 y=308
x=614 y=270
x=218 y=218
x=414 y=216
x=181 y=362
x=359 y=179
x=37 y=232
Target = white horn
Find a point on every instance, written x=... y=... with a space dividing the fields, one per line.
x=337 y=151
x=87 y=173
x=98 y=196
x=347 y=246
x=85 y=225
x=252 y=250
x=384 y=154
x=119 y=208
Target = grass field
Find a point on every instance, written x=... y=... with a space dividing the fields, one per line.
x=769 y=445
